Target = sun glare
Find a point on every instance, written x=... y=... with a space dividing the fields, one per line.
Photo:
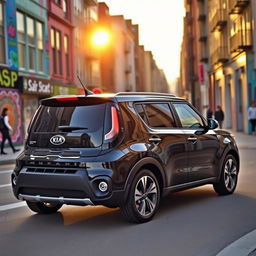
x=101 y=38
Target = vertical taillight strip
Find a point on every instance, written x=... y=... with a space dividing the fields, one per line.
x=114 y=125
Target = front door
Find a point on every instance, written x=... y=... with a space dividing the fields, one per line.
x=166 y=140
x=202 y=149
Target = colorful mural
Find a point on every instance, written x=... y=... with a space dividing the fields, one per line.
x=11 y=99
x=11 y=34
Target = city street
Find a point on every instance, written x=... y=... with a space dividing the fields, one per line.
x=195 y=222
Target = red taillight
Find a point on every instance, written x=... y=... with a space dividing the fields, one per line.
x=115 y=125
x=67 y=98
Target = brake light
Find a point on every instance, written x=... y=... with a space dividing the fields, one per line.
x=73 y=98
x=114 y=126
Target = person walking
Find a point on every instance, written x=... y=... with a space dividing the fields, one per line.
x=219 y=116
x=5 y=128
x=209 y=113
x=252 y=117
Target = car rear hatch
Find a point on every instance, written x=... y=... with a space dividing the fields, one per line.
x=70 y=126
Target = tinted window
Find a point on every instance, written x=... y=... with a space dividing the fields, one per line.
x=84 y=122
x=156 y=115
x=188 y=117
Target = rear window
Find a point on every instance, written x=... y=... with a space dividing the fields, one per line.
x=77 y=123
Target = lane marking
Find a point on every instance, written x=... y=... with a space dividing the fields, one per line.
x=12 y=206
x=4 y=172
x=6 y=185
x=241 y=247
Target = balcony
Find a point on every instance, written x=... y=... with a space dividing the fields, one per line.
x=219 y=20
x=220 y=55
x=91 y=2
x=128 y=68
x=242 y=40
x=237 y=6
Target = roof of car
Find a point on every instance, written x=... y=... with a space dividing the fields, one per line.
x=120 y=97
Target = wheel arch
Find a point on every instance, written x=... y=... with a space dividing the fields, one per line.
x=150 y=164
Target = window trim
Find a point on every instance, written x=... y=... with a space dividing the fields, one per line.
x=156 y=102
x=193 y=108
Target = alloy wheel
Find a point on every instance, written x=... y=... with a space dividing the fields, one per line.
x=145 y=196
x=230 y=174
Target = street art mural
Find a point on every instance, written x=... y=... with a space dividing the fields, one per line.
x=10 y=99
x=12 y=34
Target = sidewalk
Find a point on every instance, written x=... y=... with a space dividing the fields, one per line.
x=244 y=141
x=10 y=157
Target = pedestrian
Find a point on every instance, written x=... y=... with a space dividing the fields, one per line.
x=5 y=128
x=219 y=116
x=209 y=113
x=252 y=117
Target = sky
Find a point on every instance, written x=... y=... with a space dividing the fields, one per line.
x=161 y=28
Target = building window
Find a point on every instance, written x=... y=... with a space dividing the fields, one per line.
x=58 y=2
x=21 y=39
x=30 y=43
x=56 y=51
x=2 y=40
x=65 y=8
x=40 y=50
x=66 y=51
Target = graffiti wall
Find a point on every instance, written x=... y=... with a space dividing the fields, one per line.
x=10 y=99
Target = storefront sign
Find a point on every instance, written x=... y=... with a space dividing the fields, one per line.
x=65 y=90
x=37 y=86
x=8 y=78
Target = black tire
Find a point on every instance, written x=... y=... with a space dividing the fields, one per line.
x=228 y=178
x=144 y=206
x=43 y=208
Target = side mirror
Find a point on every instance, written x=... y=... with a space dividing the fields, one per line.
x=213 y=124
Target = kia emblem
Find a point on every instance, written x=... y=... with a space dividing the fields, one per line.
x=57 y=140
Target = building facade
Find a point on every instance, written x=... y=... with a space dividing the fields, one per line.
x=87 y=60
x=10 y=96
x=226 y=57
x=232 y=73
x=33 y=55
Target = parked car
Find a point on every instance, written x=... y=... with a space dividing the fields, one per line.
x=123 y=150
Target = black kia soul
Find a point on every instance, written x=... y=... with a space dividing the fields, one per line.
x=123 y=150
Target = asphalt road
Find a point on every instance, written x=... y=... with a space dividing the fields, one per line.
x=195 y=222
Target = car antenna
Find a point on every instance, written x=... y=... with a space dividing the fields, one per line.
x=86 y=91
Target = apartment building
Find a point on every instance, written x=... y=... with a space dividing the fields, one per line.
x=87 y=58
x=190 y=58
x=231 y=51
x=10 y=96
x=224 y=62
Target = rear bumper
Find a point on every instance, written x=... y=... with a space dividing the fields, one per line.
x=74 y=188
x=61 y=200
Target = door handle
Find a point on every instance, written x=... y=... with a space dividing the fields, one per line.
x=193 y=139
x=155 y=139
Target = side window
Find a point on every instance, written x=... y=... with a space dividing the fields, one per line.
x=156 y=115
x=188 y=117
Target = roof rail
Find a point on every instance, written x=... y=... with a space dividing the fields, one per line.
x=145 y=93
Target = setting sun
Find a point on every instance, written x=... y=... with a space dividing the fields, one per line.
x=101 y=38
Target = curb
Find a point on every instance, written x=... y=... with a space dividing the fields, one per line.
x=244 y=246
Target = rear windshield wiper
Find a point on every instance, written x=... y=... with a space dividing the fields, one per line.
x=71 y=128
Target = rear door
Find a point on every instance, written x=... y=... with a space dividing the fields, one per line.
x=64 y=126
x=202 y=148
x=166 y=141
